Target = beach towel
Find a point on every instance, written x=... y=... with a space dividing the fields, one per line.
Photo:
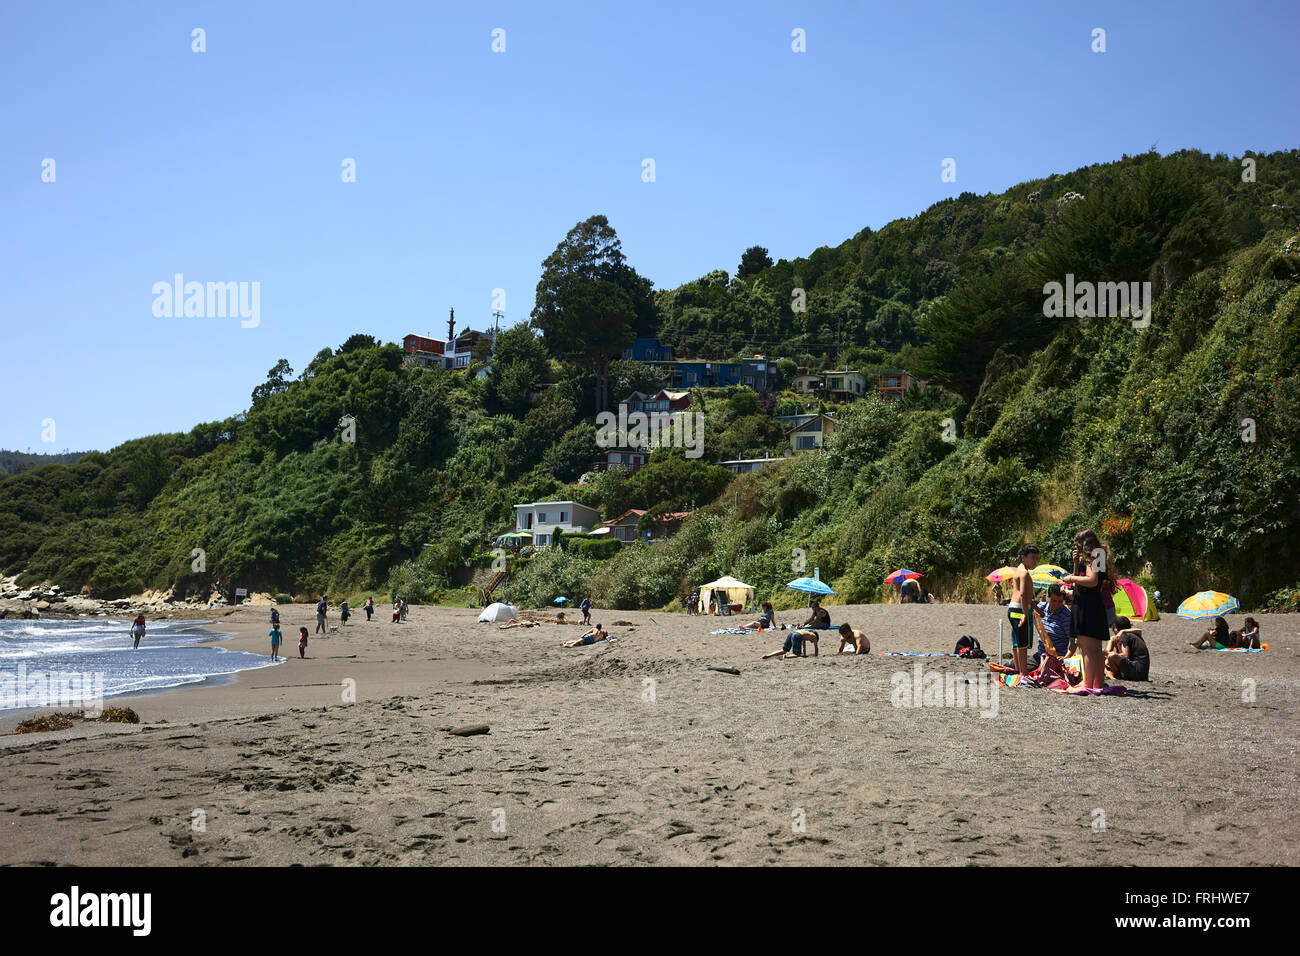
x=730 y=630
x=1115 y=689
x=912 y=654
x=1240 y=650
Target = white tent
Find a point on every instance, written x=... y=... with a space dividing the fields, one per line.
x=726 y=589
x=494 y=613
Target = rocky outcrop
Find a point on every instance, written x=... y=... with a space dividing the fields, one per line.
x=50 y=601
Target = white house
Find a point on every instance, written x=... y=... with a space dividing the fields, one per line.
x=543 y=517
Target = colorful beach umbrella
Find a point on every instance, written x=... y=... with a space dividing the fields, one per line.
x=1048 y=574
x=1207 y=604
x=1001 y=574
x=1131 y=601
x=901 y=575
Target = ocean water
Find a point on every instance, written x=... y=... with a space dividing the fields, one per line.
x=68 y=662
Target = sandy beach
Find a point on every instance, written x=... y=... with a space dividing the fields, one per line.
x=635 y=752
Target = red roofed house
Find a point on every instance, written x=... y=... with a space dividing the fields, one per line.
x=624 y=527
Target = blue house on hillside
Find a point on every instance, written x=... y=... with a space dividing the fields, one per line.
x=648 y=350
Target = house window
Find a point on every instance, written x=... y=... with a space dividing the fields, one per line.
x=562 y=518
x=804 y=442
x=528 y=522
x=541 y=517
x=542 y=539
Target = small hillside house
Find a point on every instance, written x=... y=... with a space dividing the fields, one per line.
x=543 y=517
x=812 y=433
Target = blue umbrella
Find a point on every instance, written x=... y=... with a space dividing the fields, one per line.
x=810 y=585
x=560 y=600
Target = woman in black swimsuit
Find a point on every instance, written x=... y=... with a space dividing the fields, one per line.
x=1087 y=610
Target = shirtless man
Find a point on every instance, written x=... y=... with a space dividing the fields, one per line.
x=1021 y=608
x=856 y=640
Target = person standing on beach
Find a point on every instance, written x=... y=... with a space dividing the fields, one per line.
x=1088 y=611
x=276 y=639
x=322 y=606
x=275 y=615
x=370 y=607
x=302 y=642
x=585 y=606
x=137 y=630
x=344 y=612
x=1021 y=609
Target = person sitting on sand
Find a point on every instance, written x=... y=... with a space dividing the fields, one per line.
x=818 y=618
x=1217 y=635
x=1127 y=655
x=560 y=619
x=856 y=640
x=1248 y=636
x=766 y=621
x=518 y=623
x=137 y=630
x=302 y=642
x=596 y=634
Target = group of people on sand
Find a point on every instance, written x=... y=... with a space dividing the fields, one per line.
x=1220 y=638
x=592 y=636
x=277 y=637
x=810 y=632
x=1108 y=644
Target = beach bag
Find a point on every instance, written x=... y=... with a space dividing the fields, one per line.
x=968 y=646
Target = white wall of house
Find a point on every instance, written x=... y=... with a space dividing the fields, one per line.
x=543 y=517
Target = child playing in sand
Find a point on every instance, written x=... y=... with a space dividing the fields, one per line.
x=276 y=639
x=302 y=642
x=856 y=640
x=344 y=612
x=597 y=633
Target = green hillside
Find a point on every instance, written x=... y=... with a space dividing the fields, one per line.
x=1059 y=423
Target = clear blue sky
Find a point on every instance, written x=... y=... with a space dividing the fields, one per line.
x=471 y=165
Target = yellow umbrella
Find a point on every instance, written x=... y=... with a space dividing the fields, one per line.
x=1001 y=574
x=1046 y=574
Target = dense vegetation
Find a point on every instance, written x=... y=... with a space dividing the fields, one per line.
x=1179 y=442
x=12 y=462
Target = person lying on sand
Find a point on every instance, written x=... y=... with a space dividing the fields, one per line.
x=596 y=634
x=856 y=640
x=519 y=623
x=766 y=621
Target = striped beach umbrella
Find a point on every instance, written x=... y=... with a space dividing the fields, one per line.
x=901 y=575
x=1207 y=604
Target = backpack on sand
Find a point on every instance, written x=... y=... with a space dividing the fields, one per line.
x=968 y=646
